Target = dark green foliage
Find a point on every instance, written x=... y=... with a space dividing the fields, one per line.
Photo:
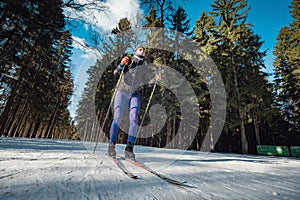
x=252 y=117
x=36 y=77
x=36 y=80
x=180 y=22
x=287 y=69
x=226 y=36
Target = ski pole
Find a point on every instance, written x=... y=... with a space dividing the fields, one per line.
x=109 y=107
x=146 y=110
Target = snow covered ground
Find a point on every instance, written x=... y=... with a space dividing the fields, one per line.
x=56 y=169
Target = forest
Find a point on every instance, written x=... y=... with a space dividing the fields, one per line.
x=36 y=79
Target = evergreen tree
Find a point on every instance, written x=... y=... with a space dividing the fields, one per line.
x=205 y=32
x=287 y=68
x=234 y=47
x=154 y=35
x=35 y=52
x=161 y=6
x=180 y=22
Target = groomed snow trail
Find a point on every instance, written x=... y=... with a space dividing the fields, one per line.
x=59 y=169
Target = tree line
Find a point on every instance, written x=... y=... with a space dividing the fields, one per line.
x=35 y=82
x=36 y=77
x=256 y=113
x=35 y=70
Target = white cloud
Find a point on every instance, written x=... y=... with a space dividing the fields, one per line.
x=116 y=9
x=79 y=43
x=105 y=20
x=121 y=9
x=87 y=55
x=88 y=52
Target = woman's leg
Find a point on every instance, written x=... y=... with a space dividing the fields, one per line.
x=119 y=106
x=134 y=109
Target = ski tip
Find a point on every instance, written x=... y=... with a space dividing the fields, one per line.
x=186 y=184
x=135 y=177
x=178 y=183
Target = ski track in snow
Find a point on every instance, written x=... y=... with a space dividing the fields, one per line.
x=59 y=169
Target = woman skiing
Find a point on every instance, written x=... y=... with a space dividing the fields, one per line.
x=134 y=74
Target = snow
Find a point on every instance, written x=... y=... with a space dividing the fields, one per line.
x=59 y=169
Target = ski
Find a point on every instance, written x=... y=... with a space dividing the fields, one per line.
x=145 y=167
x=124 y=169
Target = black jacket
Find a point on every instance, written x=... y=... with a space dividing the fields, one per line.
x=135 y=75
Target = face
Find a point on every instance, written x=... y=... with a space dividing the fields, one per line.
x=141 y=51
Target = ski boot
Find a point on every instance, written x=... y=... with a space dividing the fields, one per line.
x=112 y=149
x=129 y=151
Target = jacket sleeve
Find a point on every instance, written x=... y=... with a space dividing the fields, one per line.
x=118 y=70
x=121 y=67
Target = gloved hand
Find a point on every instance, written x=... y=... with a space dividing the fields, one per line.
x=158 y=77
x=125 y=60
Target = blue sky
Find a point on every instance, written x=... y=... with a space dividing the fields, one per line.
x=266 y=16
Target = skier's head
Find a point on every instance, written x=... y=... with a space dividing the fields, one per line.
x=140 y=50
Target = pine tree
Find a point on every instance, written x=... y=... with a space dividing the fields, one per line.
x=204 y=30
x=294 y=52
x=36 y=51
x=287 y=68
x=152 y=20
x=161 y=6
x=180 y=22
x=153 y=36
x=234 y=47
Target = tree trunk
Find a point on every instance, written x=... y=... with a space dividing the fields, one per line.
x=10 y=121
x=242 y=124
x=36 y=129
x=174 y=132
x=6 y=114
x=256 y=129
x=244 y=138
x=28 y=131
x=52 y=120
x=20 y=119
